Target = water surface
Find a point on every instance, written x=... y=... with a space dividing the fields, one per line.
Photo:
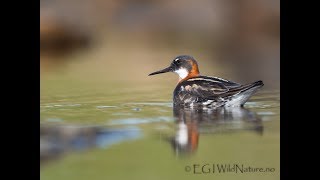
x=121 y=131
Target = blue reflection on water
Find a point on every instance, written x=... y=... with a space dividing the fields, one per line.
x=109 y=137
x=59 y=139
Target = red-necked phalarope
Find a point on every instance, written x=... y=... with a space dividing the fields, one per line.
x=196 y=90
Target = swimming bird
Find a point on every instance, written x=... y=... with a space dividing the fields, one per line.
x=194 y=89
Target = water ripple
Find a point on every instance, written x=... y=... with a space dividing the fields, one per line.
x=134 y=121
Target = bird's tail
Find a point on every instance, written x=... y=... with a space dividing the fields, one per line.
x=252 y=86
x=243 y=93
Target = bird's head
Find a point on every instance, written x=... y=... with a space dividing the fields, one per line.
x=185 y=66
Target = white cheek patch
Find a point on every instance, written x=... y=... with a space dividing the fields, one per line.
x=182 y=73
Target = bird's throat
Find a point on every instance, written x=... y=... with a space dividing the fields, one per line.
x=183 y=73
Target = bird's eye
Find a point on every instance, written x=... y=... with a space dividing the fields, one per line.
x=177 y=61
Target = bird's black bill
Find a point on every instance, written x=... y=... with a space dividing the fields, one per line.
x=168 y=69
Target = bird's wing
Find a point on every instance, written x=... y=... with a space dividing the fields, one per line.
x=229 y=84
x=208 y=86
x=204 y=88
x=211 y=87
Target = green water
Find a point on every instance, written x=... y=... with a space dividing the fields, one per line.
x=147 y=107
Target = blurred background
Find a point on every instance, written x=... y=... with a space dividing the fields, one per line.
x=103 y=117
x=124 y=40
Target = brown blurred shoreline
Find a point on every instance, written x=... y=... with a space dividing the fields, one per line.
x=238 y=40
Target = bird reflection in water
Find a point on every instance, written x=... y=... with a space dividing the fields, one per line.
x=192 y=122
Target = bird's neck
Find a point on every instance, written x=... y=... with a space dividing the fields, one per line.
x=190 y=75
